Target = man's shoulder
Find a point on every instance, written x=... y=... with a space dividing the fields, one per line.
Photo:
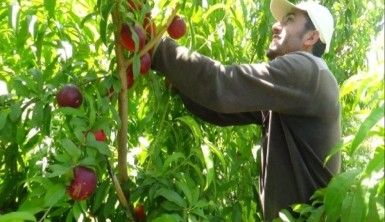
x=299 y=62
x=308 y=57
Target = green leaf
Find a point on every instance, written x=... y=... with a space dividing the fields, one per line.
x=169 y=206
x=32 y=205
x=377 y=162
x=173 y=158
x=316 y=215
x=88 y=161
x=77 y=210
x=54 y=194
x=336 y=191
x=91 y=106
x=72 y=111
x=375 y=116
x=46 y=120
x=101 y=147
x=105 y=12
x=218 y=153
x=58 y=170
x=22 y=33
x=168 y=218
x=71 y=149
x=373 y=211
x=50 y=7
x=171 y=195
x=17 y=216
x=21 y=134
x=237 y=212
x=38 y=111
x=186 y=191
x=200 y=212
x=209 y=164
x=356 y=207
x=135 y=58
x=15 y=113
x=212 y=9
x=3 y=118
x=193 y=125
x=100 y=195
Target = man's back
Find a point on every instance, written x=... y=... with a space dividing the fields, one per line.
x=295 y=99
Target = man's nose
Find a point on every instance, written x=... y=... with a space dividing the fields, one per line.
x=277 y=27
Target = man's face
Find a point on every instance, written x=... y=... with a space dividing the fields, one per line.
x=288 y=35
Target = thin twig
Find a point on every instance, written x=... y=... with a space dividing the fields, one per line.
x=45 y=214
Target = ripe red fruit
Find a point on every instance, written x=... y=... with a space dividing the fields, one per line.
x=69 y=96
x=127 y=39
x=100 y=135
x=177 y=28
x=83 y=183
x=139 y=214
x=145 y=63
x=130 y=76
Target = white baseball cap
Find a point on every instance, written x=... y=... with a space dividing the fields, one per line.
x=320 y=16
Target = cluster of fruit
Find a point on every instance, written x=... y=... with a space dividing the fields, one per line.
x=84 y=179
x=144 y=33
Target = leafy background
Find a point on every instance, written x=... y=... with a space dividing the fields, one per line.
x=180 y=168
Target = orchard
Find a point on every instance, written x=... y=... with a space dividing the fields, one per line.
x=89 y=132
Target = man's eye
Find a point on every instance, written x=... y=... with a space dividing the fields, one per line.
x=290 y=18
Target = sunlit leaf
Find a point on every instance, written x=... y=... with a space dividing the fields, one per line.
x=209 y=165
x=336 y=193
x=50 y=7
x=18 y=216
x=375 y=116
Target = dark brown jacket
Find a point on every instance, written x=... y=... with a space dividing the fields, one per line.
x=293 y=97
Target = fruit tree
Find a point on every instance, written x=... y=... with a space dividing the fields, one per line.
x=88 y=132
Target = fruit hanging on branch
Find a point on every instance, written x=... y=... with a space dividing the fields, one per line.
x=100 y=135
x=127 y=38
x=130 y=77
x=83 y=183
x=139 y=213
x=177 y=28
x=69 y=96
x=145 y=64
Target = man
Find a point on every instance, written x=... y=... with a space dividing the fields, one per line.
x=294 y=97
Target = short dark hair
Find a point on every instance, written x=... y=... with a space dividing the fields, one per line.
x=319 y=47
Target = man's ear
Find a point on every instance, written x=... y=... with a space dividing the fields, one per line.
x=311 y=38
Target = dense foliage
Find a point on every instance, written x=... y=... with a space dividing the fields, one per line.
x=179 y=167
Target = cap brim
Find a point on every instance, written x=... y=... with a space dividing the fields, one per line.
x=280 y=8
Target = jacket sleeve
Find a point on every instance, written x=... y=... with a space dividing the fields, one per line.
x=286 y=84
x=221 y=119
